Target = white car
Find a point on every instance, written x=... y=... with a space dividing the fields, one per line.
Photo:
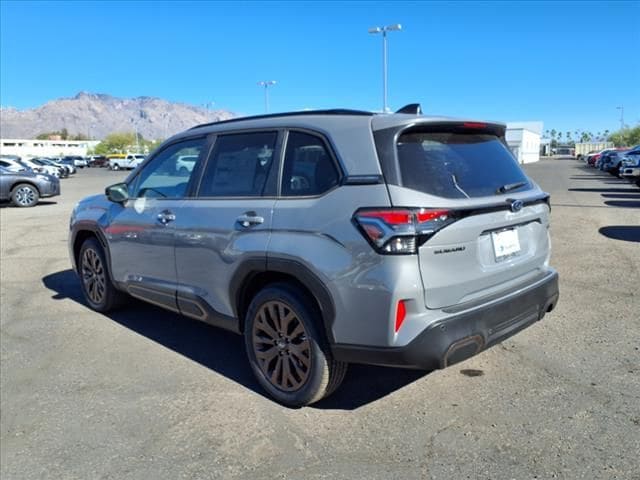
x=12 y=165
x=49 y=169
x=185 y=163
x=78 y=161
x=131 y=161
x=630 y=169
x=70 y=167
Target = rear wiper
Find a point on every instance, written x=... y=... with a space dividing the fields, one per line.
x=458 y=187
x=510 y=186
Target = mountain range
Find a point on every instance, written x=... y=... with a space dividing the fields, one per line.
x=96 y=115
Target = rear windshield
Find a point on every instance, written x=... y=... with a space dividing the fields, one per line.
x=458 y=165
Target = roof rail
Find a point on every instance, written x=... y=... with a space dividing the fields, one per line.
x=335 y=111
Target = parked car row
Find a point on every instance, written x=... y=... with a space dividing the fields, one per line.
x=621 y=162
x=50 y=166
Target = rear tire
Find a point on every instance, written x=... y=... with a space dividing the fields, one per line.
x=99 y=292
x=25 y=195
x=286 y=347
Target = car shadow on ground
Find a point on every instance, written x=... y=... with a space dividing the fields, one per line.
x=621 y=232
x=590 y=177
x=625 y=196
x=604 y=190
x=623 y=203
x=223 y=352
x=41 y=203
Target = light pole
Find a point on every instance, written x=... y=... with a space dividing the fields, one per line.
x=266 y=84
x=621 y=108
x=135 y=126
x=384 y=30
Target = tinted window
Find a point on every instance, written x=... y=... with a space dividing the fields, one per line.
x=162 y=177
x=308 y=167
x=457 y=165
x=239 y=165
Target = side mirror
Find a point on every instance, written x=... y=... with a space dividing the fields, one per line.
x=118 y=193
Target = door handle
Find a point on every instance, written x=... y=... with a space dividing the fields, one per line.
x=165 y=217
x=249 y=219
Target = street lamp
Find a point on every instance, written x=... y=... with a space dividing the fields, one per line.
x=266 y=84
x=384 y=30
x=621 y=108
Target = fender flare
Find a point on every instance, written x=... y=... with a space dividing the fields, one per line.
x=251 y=267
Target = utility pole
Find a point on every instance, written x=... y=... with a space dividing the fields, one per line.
x=266 y=84
x=621 y=108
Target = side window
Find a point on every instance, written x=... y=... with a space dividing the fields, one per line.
x=166 y=176
x=239 y=165
x=308 y=167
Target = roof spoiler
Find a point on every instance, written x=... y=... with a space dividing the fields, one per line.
x=412 y=109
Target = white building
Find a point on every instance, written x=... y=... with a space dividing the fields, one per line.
x=45 y=148
x=523 y=139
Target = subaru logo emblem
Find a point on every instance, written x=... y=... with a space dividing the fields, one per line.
x=516 y=205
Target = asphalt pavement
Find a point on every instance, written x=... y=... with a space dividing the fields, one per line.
x=144 y=393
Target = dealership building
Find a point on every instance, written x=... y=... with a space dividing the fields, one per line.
x=45 y=148
x=523 y=139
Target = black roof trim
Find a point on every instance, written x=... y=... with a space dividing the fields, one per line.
x=335 y=111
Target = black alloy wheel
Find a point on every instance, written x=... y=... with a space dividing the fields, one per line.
x=287 y=348
x=97 y=287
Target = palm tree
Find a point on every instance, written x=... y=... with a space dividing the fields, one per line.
x=606 y=135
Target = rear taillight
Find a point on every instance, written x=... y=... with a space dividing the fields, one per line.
x=474 y=125
x=401 y=231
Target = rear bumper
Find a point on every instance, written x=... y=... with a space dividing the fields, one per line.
x=463 y=335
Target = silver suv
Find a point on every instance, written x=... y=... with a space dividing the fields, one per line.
x=327 y=238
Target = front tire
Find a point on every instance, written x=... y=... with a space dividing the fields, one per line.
x=116 y=167
x=286 y=348
x=25 y=195
x=99 y=292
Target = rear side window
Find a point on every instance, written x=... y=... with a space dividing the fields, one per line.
x=239 y=165
x=458 y=164
x=308 y=168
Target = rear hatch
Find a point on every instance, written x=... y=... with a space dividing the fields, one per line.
x=495 y=236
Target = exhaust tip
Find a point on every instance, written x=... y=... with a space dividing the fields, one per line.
x=463 y=349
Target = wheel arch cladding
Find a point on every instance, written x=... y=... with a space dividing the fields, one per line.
x=250 y=279
x=81 y=236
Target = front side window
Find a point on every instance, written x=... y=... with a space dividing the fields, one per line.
x=163 y=176
x=239 y=165
x=308 y=168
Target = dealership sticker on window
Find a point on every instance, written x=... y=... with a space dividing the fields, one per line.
x=505 y=243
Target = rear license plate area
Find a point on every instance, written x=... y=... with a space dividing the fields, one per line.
x=506 y=244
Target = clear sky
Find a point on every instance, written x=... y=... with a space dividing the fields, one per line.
x=569 y=64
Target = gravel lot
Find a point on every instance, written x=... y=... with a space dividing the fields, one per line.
x=147 y=394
